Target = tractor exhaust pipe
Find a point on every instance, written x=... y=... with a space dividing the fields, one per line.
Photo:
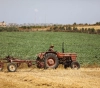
x=63 y=47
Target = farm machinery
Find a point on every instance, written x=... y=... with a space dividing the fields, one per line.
x=14 y=63
x=52 y=59
x=49 y=59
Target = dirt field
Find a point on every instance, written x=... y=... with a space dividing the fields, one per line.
x=51 y=78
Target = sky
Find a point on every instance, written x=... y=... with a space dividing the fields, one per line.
x=50 y=11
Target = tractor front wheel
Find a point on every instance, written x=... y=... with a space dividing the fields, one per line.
x=75 y=65
x=12 y=67
x=51 y=61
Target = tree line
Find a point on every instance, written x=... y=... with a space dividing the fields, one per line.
x=55 y=28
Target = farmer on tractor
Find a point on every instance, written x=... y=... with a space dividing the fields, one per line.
x=51 y=48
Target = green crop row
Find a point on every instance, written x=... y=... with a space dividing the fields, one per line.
x=26 y=45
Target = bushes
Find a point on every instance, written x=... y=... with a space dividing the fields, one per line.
x=8 y=29
x=98 y=31
x=68 y=28
x=29 y=27
x=75 y=29
x=2 y=29
x=90 y=30
x=56 y=28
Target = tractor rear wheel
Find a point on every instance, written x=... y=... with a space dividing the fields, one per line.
x=51 y=61
x=12 y=67
x=75 y=65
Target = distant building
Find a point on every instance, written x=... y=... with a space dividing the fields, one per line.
x=2 y=24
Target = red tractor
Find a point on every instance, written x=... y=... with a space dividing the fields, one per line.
x=51 y=59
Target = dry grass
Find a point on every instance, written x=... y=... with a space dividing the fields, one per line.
x=95 y=27
x=59 y=78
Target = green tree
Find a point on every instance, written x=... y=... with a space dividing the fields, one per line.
x=75 y=29
x=74 y=23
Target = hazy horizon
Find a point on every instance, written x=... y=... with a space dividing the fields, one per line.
x=50 y=11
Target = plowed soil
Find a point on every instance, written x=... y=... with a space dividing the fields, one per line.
x=51 y=78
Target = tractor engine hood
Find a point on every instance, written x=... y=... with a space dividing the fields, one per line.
x=72 y=55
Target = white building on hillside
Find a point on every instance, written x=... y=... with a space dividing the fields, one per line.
x=2 y=24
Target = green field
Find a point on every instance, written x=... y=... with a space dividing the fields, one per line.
x=26 y=45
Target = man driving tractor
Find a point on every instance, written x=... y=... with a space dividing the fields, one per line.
x=51 y=48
